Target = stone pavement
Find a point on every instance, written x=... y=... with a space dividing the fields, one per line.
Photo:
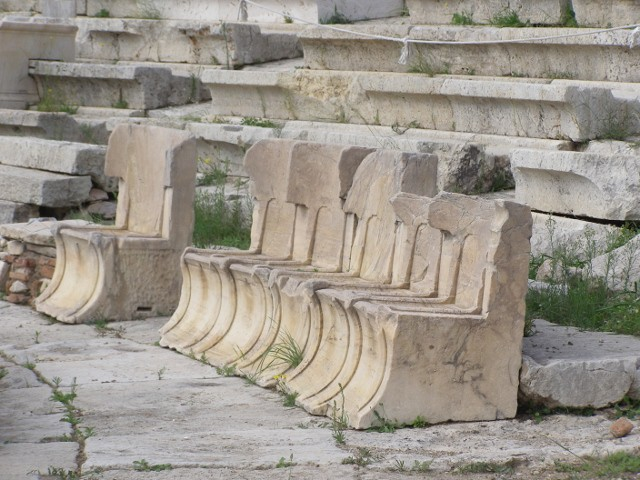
x=139 y=405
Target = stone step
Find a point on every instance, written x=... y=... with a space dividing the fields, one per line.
x=57 y=156
x=585 y=13
x=102 y=85
x=45 y=189
x=229 y=10
x=583 y=184
x=13 y=212
x=592 y=56
x=185 y=41
x=554 y=109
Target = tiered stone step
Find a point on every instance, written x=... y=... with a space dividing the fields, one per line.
x=135 y=86
x=590 y=56
x=229 y=10
x=184 y=41
x=587 y=13
x=539 y=108
x=46 y=173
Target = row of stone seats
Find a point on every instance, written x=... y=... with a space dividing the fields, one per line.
x=402 y=304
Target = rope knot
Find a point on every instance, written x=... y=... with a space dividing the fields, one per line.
x=404 y=53
x=634 y=39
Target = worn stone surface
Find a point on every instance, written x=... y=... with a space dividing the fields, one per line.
x=229 y=10
x=58 y=8
x=537 y=108
x=580 y=184
x=131 y=269
x=605 y=13
x=42 y=188
x=565 y=367
x=23 y=39
x=143 y=87
x=198 y=42
x=36 y=232
x=603 y=56
x=16 y=212
x=545 y=12
x=202 y=423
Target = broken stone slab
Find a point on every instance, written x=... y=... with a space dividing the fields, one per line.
x=37 y=231
x=552 y=233
x=41 y=188
x=565 y=367
x=12 y=212
x=543 y=12
x=101 y=85
x=229 y=10
x=577 y=183
x=23 y=39
x=60 y=157
x=552 y=109
x=605 y=56
x=184 y=41
x=606 y=13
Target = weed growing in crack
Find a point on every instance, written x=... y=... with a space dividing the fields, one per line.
x=462 y=18
x=362 y=457
x=62 y=473
x=144 y=466
x=284 y=463
x=161 y=373
x=384 y=424
x=610 y=466
x=226 y=370
x=487 y=467
x=336 y=18
x=507 y=18
x=3 y=372
x=286 y=352
x=339 y=421
x=258 y=122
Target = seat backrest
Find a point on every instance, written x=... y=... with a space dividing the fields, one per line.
x=383 y=174
x=455 y=239
x=321 y=175
x=268 y=163
x=157 y=171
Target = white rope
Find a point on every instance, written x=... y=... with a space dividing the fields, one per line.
x=404 y=53
x=242 y=11
x=634 y=42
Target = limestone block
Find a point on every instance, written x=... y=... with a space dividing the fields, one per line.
x=100 y=85
x=606 y=13
x=229 y=10
x=198 y=42
x=15 y=247
x=52 y=156
x=605 y=56
x=578 y=369
x=550 y=232
x=29 y=123
x=544 y=12
x=43 y=188
x=130 y=270
x=518 y=107
x=12 y=212
x=18 y=5
x=576 y=183
x=18 y=287
x=58 y=8
x=4 y=274
x=23 y=39
x=37 y=231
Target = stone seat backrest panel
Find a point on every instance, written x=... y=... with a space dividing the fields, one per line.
x=153 y=184
x=383 y=174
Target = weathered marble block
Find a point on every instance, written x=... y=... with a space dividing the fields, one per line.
x=23 y=39
x=130 y=270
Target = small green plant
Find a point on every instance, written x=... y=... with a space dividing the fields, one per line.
x=3 y=372
x=289 y=399
x=62 y=473
x=610 y=466
x=144 y=466
x=463 y=18
x=420 y=422
x=422 y=66
x=226 y=370
x=103 y=329
x=258 y=122
x=284 y=463
x=103 y=13
x=53 y=101
x=627 y=407
x=287 y=18
x=36 y=337
x=487 y=467
x=421 y=467
x=384 y=424
x=569 y=17
x=161 y=373
x=120 y=103
x=286 y=352
x=362 y=457
x=336 y=18
x=507 y=18
x=218 y=221
x=339 y=421
x=29 y=365
x=148 y=10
